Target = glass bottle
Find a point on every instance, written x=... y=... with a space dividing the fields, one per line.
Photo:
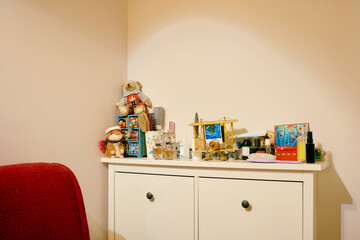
x=256 y=146
x=301 y=146
x=268 y=148
x=170 y=150
x=245 y=148
x=184 y=149
x=310 y=148
x=158 y=149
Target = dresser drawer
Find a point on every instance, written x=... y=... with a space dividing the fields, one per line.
x=274 y=211
x=150 y=206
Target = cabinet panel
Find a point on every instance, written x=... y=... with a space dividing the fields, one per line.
x=168 y=215
x=275 y=211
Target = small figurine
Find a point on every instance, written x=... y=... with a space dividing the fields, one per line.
x=214 y=152
x=112 y=146
x=122 y=123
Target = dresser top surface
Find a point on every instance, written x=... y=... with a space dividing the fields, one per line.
x=229 y=164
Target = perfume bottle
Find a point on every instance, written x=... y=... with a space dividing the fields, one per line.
x=158 y=149
x=310 y=149
x=170 y=150
x=268 y=148
x=301 y=146
x=245 y=148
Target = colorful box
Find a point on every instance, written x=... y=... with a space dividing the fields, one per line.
x=286 y=140
x=286 y=153
x=135 y=144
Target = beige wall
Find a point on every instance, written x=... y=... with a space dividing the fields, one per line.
x=263 y=63
x=61 y=67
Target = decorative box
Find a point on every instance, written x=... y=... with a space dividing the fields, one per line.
x=135 y=146
x=286 y=153
x=286 y=140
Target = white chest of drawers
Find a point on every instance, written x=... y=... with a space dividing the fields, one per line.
x=199 y=200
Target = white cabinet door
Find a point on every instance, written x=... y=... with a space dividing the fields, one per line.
x=275 y=211
x=169 y=214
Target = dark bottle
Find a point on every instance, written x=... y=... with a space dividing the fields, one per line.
x=245 y=148
x=256 y=146
x=310 y=149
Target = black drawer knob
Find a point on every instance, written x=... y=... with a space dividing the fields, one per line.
x=149 y=195
x=245 y=204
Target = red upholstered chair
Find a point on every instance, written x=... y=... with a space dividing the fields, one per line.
x=41 y=201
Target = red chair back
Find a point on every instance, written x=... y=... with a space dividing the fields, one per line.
x=41 y=201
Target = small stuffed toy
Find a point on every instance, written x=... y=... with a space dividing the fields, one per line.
x=112 y=146
x=133 y=100
x=214 y=145
x=214 y=151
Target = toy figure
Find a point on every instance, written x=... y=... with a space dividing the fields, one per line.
x=122 y=123
x=112 y=146
x=214 y=146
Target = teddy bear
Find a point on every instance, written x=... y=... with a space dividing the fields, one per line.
x=113 y=146
x=133 y=99
x=214 y=151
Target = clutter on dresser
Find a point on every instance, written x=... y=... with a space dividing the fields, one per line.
x=289 y=143
x=256 y=142
x=141 y=132
x=214 y=138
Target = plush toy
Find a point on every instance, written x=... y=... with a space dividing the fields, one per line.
x=215 y=152
x=113 y=146
x=214 y=145
x=133 y=100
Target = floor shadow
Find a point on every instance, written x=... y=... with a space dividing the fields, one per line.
x=332 y=194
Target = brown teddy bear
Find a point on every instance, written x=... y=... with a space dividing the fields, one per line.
x=114 y=146
x=133 y=100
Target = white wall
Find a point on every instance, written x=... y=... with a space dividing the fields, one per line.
x=263 y=63
x=61 y=67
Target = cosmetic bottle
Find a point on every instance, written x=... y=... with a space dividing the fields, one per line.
x=310 y=149
x=184 y=149
x=245 y=148
x=256 y=146
x=268 y=148
x=158 y=149
x=170 y=149
x=301 y=146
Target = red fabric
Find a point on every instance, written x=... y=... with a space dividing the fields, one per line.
x=41 y=201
